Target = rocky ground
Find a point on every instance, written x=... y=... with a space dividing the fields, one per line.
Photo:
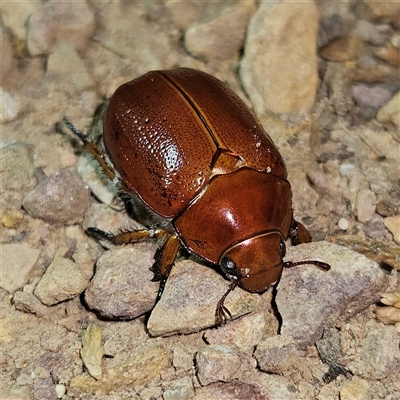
x=77 y=316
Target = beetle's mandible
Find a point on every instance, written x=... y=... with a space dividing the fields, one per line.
x=195 y=155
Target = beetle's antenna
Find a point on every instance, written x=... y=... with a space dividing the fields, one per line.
x=320 y=264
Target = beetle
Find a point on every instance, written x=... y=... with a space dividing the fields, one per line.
x=197 y=158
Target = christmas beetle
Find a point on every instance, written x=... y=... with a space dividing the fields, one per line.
x=191 y=151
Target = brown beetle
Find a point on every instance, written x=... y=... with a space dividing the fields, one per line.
x=195 y=155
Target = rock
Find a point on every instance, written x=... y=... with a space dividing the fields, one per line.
x=9 y=107
x=183 y=357
x=180 y=389
x=369 y=33
x=7 y=51
x=310 y=300
x=189 y=301
x=220 y=363
x=17 y=167
x=276 y=354
x=366 y=204
x=382 y=11
x=59 y=22
x=61 y=198
x=222 y=37
x=378 y=355
x=229 y=391
x=63 y=280
x=15 y=14
x=375 y=227
x=67 y=71
x=393 y=225
x=44 y=389
x=92 y=350
x=370 y=95
x=344 y=48
x=28 y=303
x=137 y=368
x=244 y=333
x=389 y=53
x=183 y=13
x=390 y=112
x=356 y=389
x=280 y=36
x=17 y=262
x=272 y=387
x=122 y=286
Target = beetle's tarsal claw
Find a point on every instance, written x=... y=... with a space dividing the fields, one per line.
x=222 y=312
x=98 y=234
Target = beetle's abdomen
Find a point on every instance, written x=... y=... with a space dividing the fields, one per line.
x=166 y=130
x=235 y=207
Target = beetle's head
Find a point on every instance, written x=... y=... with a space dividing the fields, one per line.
x=256 y=262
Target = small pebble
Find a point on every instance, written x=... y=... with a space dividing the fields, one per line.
x=393 y=224
x=356 y=389
x=9 y=106
x=343 y=224
x=60 y=391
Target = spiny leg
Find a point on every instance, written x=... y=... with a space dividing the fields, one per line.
x=92 y=148
x=222 y=312
x=165 y=256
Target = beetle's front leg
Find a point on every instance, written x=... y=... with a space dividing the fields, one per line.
x=165 y=256
x=298 y=233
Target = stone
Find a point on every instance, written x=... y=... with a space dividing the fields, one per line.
x=276 y=354
x=220 y=363
x=222 y=37
x=7 y=52
x=59 y=22
x=189 y=300
x=63 y=280
x=310 y=300
x=390 y=112
x=60 y=198
x=244 y=333
x=9 y=107
x=122 y=286
x=356 y=389
x=17 y=262
x=138 y=367
x=378 y=355
x=370 y=95
x=393 y=225
x=92 y=350
x=366 y=204
x=229 y=391
x=15 y=15
x=389 y=53
x=280 y=36
x=67 y=71
x=344 y=48
x=180 y=389
x=17 y=167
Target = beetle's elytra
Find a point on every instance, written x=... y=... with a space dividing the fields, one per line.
x=195 y=155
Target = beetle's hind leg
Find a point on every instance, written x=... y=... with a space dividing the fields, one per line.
x=97 y=152
x=165 y=256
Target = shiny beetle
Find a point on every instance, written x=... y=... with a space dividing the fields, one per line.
x=195 y=155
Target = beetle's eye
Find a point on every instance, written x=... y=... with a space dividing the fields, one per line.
x=228 y=266
x=283 y=248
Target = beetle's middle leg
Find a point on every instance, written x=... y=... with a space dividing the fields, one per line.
x=298 y=233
